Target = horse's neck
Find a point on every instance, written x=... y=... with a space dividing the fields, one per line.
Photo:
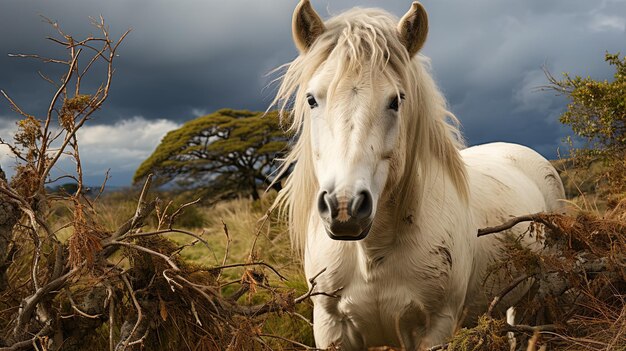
x=425 y=216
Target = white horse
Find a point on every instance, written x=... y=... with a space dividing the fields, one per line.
x=380 y=195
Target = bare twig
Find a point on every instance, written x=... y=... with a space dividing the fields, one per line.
x=505 y=291
x=202 y=291
x=146 y=250
x=303 y=318
x=251 y=264
x=438 y=347
x=170 y=281
x=306 y=347
x=14 y=106
x=41 y=58
x=137 y=307
x=42 y=168
x=78 y=310
x=111 y=302
x=312 y=292
x=536 y=217
x=529 y=328
x=143 y=210
x=179 y=211
x=28 y=304
x=28 y=343
x=168 y=231
x=226 y=250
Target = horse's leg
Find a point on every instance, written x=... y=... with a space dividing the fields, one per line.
x=326 y=329
x=441 y=328
x=329 y=330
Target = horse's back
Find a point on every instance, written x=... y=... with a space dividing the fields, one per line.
x=523 y=159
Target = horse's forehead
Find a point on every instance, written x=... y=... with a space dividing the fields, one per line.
x=358 y=82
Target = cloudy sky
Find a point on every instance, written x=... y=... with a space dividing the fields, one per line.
x=186 y=58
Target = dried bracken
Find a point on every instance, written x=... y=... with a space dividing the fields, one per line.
x=578 y=295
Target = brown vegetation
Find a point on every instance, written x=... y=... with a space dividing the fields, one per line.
x=578 y=295
x=120 y=287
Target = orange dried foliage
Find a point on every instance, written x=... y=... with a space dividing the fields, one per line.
x=85 y=242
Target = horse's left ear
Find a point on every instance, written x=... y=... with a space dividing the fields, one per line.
x=413 y=28
x=306 y=25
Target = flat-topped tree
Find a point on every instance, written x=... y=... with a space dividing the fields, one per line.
x=229 y=152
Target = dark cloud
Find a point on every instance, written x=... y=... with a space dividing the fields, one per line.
x=188 y=57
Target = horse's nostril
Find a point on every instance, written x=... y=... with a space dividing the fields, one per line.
x=322 y=205
x=327 y=205
x=362 y=205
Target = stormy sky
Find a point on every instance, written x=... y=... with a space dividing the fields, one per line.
x=186 y=58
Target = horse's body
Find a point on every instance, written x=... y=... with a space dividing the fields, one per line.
x=380 y=195
x=422 y=281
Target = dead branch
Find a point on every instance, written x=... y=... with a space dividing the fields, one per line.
x=529 y=329
x=125 y=340
x=29 y=304
x=146 y=250
x=438 y=347
x=227 y=249
x=168 y=231
x=504 y=292
x=299 y=344
x=15 y=108
x=40 y=58
x=251 y=264
x=201 y=289
x=8 y=219
x=78 y=310
x=111 y=302
x=540 y=217
x=29 y=343
x=312 y=292
x=179 y=211
x=144 y=209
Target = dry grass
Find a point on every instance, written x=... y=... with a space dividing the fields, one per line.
x=578 y=296
x=250 y=238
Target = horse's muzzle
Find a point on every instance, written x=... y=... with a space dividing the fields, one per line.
x=346 y=218
x=348 y=236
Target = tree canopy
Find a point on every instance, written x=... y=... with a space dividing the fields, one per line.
x=229 y=152
x=597 y=113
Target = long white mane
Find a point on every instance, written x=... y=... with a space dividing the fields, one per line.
x=429 y=132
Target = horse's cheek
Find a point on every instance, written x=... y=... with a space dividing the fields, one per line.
x=321 y=142
x=394 y=169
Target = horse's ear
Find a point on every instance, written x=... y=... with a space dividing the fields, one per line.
x=413 y=28
x=306 y=26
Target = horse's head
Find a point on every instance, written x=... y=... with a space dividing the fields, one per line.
x=353 y=100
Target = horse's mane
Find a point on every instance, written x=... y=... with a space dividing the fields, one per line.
x=429 y=131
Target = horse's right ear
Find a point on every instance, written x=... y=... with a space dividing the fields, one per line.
x=413 y=28
x=306 y=26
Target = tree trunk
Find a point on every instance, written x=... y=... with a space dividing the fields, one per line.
x=8 y=218
x=255 y=193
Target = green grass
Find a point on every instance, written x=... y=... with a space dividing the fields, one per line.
x=267 y=241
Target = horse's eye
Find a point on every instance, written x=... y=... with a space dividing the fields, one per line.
x=395 y=102
x=311 y=100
